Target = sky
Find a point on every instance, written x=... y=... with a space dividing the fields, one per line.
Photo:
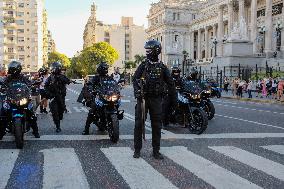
x=67 y=18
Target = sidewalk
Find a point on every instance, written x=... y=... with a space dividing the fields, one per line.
x=229 y=95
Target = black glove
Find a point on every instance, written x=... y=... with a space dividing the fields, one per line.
x=137 y=94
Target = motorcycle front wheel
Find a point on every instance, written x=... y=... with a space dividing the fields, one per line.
x=114 y=128
x=19 y=134
x=198 y=121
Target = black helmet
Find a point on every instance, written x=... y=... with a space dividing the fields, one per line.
x=102 y=69
x=175 y=72
x=153 y=50
x=14 y=68
x=193 y=75
x=43 y=71
x=56 y=68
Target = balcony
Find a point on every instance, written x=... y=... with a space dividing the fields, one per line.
x=9 y=7
x=9 y=16
x=9 y=24
x=10 y=42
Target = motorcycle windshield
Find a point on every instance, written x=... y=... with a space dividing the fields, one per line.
x=18 y=91
x=109 y=88
x=192 y=87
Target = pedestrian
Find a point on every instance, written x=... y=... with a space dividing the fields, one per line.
x=249 y=88
x=240 y=89
x=274 y=88
x=280 y=89
x=263 y=87
x=55 y=87
x=35 y=89
x=156 y=75
x=234 y=87
x=116 y=75
x=43 y=73
x=226 y=85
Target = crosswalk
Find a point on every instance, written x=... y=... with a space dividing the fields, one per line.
x=62 y=167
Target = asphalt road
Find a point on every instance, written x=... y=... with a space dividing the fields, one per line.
x=243 y=147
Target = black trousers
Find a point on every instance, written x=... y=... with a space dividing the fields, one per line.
x=57 y=108
x=153 y=105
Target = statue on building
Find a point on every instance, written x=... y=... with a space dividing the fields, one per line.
x=243 y=29
x=239 y=31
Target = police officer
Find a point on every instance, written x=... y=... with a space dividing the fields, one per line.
x=102 y=71
x=193 y=75
x=15 y=75
x=176 y=77
x=55 y=87
x=2 y=125
x=155 y=75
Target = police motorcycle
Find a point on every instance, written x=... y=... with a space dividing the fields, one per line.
x=189 y=114
x=17 y=102
x=107 y=101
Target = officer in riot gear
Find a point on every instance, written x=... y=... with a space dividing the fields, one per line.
x=155 y=75
x=55 y=88
x=102 y=75
x=15 y=75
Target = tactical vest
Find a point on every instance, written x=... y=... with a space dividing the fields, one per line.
x=154 y=79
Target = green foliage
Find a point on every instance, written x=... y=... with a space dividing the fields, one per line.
x=262 y=75
x=129 y=64
x=58 y=57
x=90 y=57
x=139 y=59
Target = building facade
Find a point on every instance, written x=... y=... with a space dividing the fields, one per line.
x=201 y=27
x=51 y=43
x=22 y=33
x=127 y=38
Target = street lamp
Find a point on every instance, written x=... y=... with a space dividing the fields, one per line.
x=278 y=28
x=215 y=42
x=185 y=55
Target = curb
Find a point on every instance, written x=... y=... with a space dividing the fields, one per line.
x=255 y=100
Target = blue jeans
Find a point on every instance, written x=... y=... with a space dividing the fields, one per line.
x=249 y=93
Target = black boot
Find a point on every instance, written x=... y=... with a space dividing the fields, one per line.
x=36 y=134
x=157 y=155
x=86 y=131
x=45 y=111
x=58 y=129
x=41 y=109
x=136 y=154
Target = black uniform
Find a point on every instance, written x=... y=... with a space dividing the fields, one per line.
x=2 y=97
x=31 y=117
x=156 y=75
x=93 y=85
x=56 y=91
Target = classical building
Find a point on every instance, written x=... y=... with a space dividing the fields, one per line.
x=127 y=38
x=45 y=38
x=22 y=33
x=201 y=27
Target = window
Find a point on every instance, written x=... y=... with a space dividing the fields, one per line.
x=21 y=5
x=10 y=32
x=178 y=16
x=21 y=48
x=20 y=14
x=20 y=22
x=127 y=35
x=174 y=16
x=106 y=34
x=193 y=16
x=22 y=58
x=11 y=57
x=126 y=41
x=10 y=50
x=21 y=31
x=107 y=40
x=21 y=39
x=161 y=38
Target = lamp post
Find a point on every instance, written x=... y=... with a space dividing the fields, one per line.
x=185 y=55
x=278 y=28
x=215 y=42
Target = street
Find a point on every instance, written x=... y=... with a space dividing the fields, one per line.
x=243 y=147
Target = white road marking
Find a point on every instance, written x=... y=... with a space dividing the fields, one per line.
x=81 y=109
x=62 y=169
x=269 y=167
x=211 y=173
x=148 y=125
x=137 y=173
x=275 y=148
x=248 y=121
x=252 y=109
x=149 y=136
x=7 y=162
x=125 y=101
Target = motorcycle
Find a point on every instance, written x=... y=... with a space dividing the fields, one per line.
x=107 y=116
x=18 y=101
x=201 y=97
x=190 y=116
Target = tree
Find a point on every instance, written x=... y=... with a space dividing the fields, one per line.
x=129 y=64
x=58 y=57
x=139 y=59
x=87 y=61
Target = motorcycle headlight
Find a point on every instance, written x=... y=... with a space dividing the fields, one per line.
x=23 y=102
x=195 y=97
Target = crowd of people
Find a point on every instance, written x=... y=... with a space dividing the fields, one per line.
x=270 y=88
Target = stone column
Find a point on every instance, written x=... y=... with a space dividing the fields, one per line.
x=241 y=9
x=254 y=25
x=220 y=31
x=282 y=34
x=192 y=45
x=199 y=44
x=268 y=28
x=214 y=36
x=230 y=17
x=206 y=43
